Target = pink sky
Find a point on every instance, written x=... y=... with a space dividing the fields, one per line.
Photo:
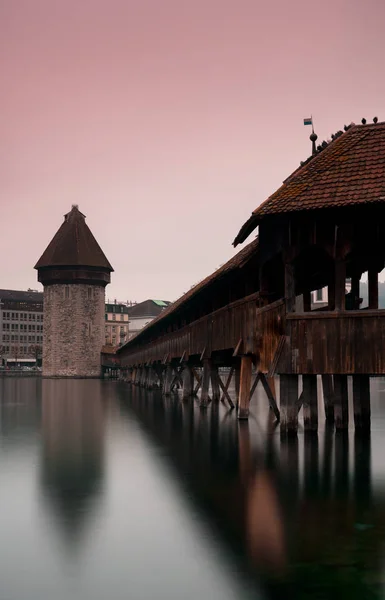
x=168 y=122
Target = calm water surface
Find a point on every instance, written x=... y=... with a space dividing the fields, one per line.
x=113 y=492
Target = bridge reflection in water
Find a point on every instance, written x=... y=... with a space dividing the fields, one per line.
x=300 y=512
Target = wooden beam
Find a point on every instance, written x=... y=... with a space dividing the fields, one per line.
x=245 y=384
x=328 y=392
x=225 y=387
x=361 y=401
x=310 y=402
x=225 y=392
x=255 y=383
x=341 y=408
x=289 y=397
x=238 y=348
x=270 y=395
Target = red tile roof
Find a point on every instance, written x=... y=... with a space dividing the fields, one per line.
x=74 y=245
x=350 y=170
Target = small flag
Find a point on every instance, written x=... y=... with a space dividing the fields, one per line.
x=308 y=121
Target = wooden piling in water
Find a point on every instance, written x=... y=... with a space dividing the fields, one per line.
x=289 y=397
x=341 y=408
x=310 y=402
x=328 y=393
x=361 y=401
x=244 y=387
x=206 y=376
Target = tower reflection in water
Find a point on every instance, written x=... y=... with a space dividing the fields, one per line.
x=301 y=511
x=72 y=450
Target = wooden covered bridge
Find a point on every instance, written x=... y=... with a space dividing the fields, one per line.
x=323 y=225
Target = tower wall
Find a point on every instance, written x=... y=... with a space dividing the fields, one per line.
x=73 y=330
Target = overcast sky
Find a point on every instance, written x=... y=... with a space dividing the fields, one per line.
x=168 y=122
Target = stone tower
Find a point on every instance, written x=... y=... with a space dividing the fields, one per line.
x=74 y=272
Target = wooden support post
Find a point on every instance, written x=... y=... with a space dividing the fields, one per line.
x=245 y=385
x=361 y=401
x=216 y=392
x=355 y=291
x=307 y=301
x=373 y=288
x=269 y=387
x=168 y=379
x=225 y=387
x=204 y=400
x=328 y=392
x=310 y=402
x=237 y=379
x=289 y=287
x=340 y=284
x=188 y=383
x=341 y=408
x=289 y=398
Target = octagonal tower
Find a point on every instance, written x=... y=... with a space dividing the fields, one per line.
x=74 y=272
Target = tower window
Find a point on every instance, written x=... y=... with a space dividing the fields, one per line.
x=67 y=292
x=89 y=293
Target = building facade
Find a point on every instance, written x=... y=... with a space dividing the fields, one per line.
x=142 y=313
x=116 y=324
x=21 y=327
x=74 y=272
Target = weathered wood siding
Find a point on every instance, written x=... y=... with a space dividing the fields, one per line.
x=350 y=342
x=270 y=326
x=220 y=330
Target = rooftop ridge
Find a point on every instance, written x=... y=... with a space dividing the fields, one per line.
x=330 y=173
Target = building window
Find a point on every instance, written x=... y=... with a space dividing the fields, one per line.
x=318 y=295
x=114 y=329
x=122 y=317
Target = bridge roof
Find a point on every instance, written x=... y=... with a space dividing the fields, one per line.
x=236 y=262
x=349 y=170
x=74 y=245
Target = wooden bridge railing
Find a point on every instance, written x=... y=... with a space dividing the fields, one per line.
x=346 y=342
x=258 y=328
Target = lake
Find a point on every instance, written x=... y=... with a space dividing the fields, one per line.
x=108 y=491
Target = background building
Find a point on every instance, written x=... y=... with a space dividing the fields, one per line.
x=116 y=323
x=21 y=327
x=143 y=313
